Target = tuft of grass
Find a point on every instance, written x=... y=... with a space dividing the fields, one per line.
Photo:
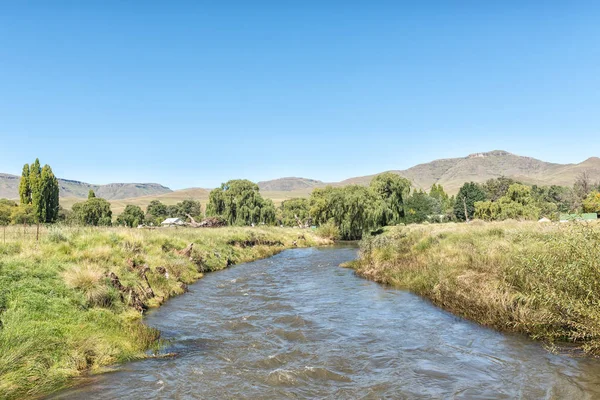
x=60 y=315
x=542 y=280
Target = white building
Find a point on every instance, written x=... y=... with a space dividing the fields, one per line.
x=172 y=222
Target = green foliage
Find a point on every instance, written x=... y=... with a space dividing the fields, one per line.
x=393 y=191
x=24 y=186
x=6 y=210
x=497 y=187
x=39 y=187
x=240 y=203
x=91 y=194
x=292 y=208
x=132 y=216
x=468 y=194
x=23 y=214
x=591 y=204
x=517 y=203
x=329 y=230
x=95 y=212
x=352 y=208
x=182 y=209
x=419 y=207
x=156 y=212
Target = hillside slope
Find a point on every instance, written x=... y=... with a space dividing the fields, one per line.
x=9 y=188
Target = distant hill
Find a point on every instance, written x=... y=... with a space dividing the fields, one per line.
x=289 y=184
x=451 y=173
x=9 y=188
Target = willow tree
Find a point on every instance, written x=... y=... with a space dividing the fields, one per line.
x=392 y=190
x=293 y=210
x=353 y=209
x=239 y=202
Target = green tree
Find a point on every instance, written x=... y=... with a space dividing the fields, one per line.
x=292 y=208
x=35 y=184
x=392 y=190
x=420 y=206
x=591 y=204
x=468 y=194
x=131 y=216
x=517 y=203
x=95 y=211
x=91 y=194
x=6 y=209
x=351 y=208
x=48 y=208
x=23 y=214
x=497 y=187
x=239 y=203
x=24 y=186
x=156 y=212
x=182 y=209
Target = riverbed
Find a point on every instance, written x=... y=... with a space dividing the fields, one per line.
x=297 y=326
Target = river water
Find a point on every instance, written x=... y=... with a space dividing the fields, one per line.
x=298 y=326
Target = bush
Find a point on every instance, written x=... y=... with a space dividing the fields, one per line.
x=328 y=230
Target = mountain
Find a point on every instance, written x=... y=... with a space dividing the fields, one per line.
x=289 y=184
x=452 y=173
x=9 y=188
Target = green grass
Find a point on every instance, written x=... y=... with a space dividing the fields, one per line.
x=60 y=315
x=539 y=279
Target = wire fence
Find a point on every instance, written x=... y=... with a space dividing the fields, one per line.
x=22 y=233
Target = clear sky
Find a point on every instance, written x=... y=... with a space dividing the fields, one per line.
x=195 y=93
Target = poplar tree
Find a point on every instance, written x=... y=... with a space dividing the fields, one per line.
x=24 y=187
x=35 y=183
x=50 y=192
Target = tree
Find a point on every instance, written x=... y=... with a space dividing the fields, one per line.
x=131 y=216
x=517 y=203
x=419 y=207
x=497 y=187
x=95 y=211
x=24 y=186
x=39 y=187
x=156 y=212
x=591 y=204
x=35 y=183
x=6 y=210
x=392 y=190
x=292 y=209
x=48 y=208
x=23 y=214
x=351 y=208
x=468 y=194
x=91 y=194
x=182 y=209
x=240 y=203
x=583 y=184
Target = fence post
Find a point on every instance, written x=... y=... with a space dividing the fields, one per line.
x=37 y=233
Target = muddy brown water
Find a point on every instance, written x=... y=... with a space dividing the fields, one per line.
x=298 y=326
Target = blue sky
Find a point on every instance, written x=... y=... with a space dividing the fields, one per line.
x=195 y=93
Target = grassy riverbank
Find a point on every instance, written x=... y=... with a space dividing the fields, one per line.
x=539 y=279
x=61 y=313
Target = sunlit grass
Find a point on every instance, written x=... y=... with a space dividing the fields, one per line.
x=60 y=315
x=539 y=279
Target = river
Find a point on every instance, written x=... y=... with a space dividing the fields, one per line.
x=297 y=326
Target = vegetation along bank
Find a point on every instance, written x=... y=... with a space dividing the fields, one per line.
x=539 y=279
x=72 y=301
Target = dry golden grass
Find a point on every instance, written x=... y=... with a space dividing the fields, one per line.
x=539 y=279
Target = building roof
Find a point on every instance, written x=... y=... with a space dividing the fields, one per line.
x=172 y=221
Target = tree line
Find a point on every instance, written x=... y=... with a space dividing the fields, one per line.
x=347 y=212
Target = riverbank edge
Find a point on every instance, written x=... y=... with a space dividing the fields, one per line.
x=235 y=246
x=509 y=276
